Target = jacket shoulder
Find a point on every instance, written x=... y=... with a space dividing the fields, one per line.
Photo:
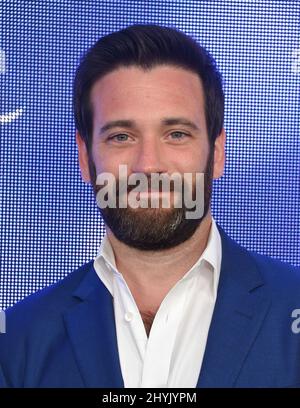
x=275 y=265
x=278 y=276
x=46 y=302
x=35 y=326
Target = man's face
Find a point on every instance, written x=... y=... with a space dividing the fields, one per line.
x=153 y=122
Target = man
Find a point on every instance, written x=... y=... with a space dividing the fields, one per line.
x=170 y=301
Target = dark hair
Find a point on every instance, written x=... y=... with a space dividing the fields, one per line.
x=147 y=46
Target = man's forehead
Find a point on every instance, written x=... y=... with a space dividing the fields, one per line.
x=135 y=95
x=136 y=73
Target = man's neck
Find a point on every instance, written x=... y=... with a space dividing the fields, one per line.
x=150 y=275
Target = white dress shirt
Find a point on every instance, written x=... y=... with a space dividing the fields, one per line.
x=172 y=354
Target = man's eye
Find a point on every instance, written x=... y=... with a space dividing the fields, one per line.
x=178 y=135
x=121 y=137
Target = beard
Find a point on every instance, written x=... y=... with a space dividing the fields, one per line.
x=155 y=228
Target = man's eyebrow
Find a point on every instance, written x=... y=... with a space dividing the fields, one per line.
x=180 y=121
x=130 y=124
x=117 y=123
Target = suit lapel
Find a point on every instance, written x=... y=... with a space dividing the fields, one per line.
x=91 y=328
x=241 y=306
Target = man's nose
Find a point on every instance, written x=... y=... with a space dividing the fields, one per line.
x=149 y=158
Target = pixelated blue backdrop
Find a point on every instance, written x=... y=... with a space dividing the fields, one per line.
x=49 y=221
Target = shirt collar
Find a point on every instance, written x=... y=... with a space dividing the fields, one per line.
x=212 y=254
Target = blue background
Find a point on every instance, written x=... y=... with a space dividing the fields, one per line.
x=49 y=221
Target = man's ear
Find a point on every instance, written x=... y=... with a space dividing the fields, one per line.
x=219 y=154
x=83 y=158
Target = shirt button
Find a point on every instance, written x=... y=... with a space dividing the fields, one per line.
x=128 y=316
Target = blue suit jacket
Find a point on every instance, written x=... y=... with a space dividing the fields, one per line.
x=64 y=335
